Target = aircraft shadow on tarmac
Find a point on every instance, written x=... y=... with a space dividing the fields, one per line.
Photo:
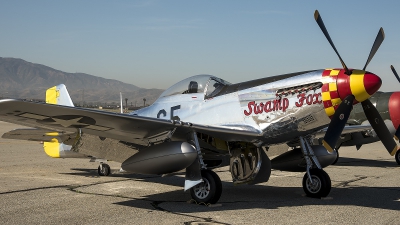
x=345 y=161
x=272 y=197
x=261 y=196
x=169 y=180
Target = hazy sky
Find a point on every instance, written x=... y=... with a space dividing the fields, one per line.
x=156 y=43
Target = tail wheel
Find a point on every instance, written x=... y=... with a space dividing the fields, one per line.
x=209 y=191
x=320 y=186
x=397 y=157
x=104 y=170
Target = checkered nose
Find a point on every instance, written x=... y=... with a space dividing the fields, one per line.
x=361 y=84
x=337 y=85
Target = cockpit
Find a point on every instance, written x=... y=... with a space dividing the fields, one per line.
x=207 y=84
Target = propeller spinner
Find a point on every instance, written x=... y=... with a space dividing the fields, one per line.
x=356 y=86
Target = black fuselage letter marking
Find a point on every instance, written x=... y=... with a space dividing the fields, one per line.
x=162 y=111
x=174 y=108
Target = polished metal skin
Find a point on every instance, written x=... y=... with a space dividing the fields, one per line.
x=276 y=111
x=277 y=126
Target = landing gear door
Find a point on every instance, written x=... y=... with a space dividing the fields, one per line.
x=249 y=164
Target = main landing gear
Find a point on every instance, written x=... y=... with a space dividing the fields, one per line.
x=209 y=191
x=103 y=169
x=316 y=182
x=205 y=185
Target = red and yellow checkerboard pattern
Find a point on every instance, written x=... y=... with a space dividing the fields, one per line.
x=336 y=85
x=329 y=89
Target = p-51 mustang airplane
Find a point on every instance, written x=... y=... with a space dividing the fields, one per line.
x=204 y=122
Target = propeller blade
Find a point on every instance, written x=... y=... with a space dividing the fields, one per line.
x=321 y=25
x=378 y=41
x=337 y=123
x=379 y=126
x=395 y=73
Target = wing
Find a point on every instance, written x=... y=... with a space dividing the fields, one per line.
x=123 y=127
x=346 y=130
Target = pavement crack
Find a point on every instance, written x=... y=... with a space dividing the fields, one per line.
x=346 y=183
x=34 y=189
x=154 y=204
x=207 y=220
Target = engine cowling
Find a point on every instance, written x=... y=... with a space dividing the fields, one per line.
x=163 y=158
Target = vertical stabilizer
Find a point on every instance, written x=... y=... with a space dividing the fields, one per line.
x=58 y=95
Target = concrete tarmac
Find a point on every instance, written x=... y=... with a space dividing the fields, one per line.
x=36 y=189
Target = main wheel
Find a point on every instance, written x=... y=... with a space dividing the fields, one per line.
x=208 y=191
x=320 y=186
x=397 y=157
x=104 y=170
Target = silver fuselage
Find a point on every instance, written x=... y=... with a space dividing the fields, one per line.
x=273 y=109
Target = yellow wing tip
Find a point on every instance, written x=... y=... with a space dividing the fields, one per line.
x=52 y=148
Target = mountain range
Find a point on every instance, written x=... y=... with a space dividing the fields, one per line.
x=25 y=80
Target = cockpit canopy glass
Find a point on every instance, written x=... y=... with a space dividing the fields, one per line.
x=215 y=86
x=196 y=84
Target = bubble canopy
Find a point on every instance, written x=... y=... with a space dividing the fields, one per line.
x=207 y=84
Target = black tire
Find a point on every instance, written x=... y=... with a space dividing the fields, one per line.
x=321 y=184
x=208 y=191
x=337 y=158
x=104 y=170
x=397 y=157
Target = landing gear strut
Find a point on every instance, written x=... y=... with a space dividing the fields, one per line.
x=209 y=191
x=316 y=182
x=103 y=169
